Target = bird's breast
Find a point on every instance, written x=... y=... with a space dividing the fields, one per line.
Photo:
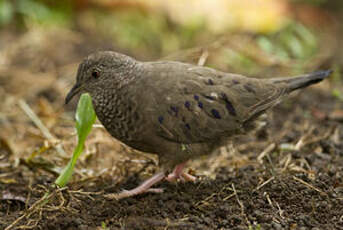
x=118 y=115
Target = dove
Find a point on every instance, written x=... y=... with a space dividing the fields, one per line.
x=176 y=110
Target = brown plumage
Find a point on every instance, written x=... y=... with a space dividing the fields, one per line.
x=178 y=111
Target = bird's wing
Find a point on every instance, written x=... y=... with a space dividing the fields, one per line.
x=191 y=104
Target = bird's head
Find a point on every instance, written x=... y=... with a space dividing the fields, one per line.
x=101 y=70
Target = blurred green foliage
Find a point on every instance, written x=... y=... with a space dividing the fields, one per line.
x=6 y=12
x=137 y=30
x=238 y=61
x=338 y=94
x=313 y=2
x=25 y=12
x=295 y=41
x=153 y=35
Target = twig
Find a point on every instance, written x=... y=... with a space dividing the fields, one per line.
x=98 y=126
x=87 y=194
x=203 y=58
x=45 y=131
x=309 y=185
x=269 y=200
x=280 y=210
x=286 y=162
x=326 y=135
x=303 y=142
x=266 y=151
x=271 y=164
x=240 y=204
x=264 y=183
x=229 y=196
x=336 y=136
x=300 y=143
x=37 y=204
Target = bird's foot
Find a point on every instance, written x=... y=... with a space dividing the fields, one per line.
x=146 y=186
x=178 y=174
x=182 y=177
x=143 y=188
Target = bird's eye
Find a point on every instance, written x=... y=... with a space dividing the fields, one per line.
x=95 y=74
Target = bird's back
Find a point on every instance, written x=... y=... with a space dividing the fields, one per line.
x=192 y=104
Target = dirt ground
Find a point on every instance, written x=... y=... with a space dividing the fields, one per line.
x=286 y=175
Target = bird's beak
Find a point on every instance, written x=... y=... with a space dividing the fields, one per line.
x=75 y=90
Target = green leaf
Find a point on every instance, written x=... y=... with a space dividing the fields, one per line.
x=338 y=94
x=266 y=44
x=85 y=118
x=6 y=12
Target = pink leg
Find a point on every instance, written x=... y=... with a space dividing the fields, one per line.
x=178 y=174
x=143 y=188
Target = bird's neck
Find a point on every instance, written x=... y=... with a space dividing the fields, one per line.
x=129 y=73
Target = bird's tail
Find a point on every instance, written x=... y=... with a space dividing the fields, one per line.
x=302 y=81
x=287 y=85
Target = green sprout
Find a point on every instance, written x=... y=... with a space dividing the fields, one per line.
x=338 y=94
x=85 y=118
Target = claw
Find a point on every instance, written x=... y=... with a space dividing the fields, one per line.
x=143 y=188
x=177 y=174
x=146 y=186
